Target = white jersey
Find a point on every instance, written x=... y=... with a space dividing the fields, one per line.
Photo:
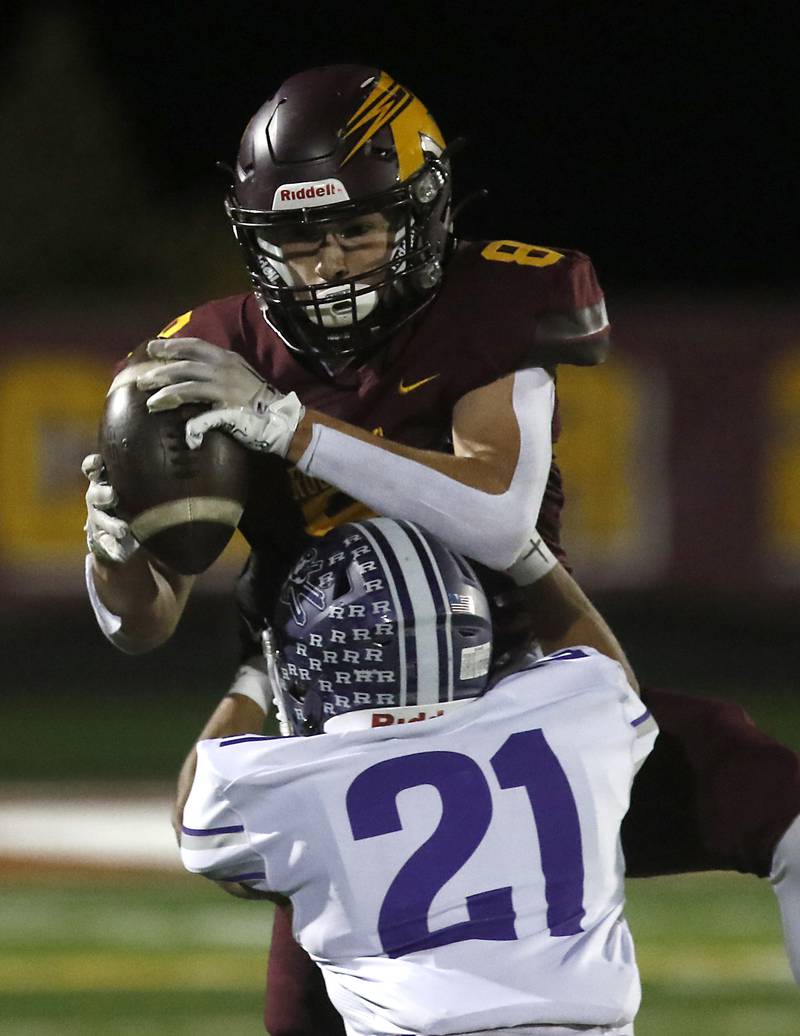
x=454 y=875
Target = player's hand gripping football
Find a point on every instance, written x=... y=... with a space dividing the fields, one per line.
x=107 y=537
x=242 y=403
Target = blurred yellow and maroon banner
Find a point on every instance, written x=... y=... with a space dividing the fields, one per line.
x=681 y=455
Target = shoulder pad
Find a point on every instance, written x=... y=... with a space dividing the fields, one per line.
x=543 y=304
x=218 y=322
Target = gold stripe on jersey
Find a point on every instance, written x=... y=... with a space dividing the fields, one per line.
x=305 y=486
x=175 y=325
x=316 y=497
x=318 y=522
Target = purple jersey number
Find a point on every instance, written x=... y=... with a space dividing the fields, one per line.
x=525 y=760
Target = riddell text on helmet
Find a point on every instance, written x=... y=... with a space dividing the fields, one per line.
x=314 y=192
x=388 y=719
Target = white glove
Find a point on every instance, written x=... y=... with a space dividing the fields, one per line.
x=243 y=404
x=107 y=537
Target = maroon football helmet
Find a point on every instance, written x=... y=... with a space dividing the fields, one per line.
x=334 y=153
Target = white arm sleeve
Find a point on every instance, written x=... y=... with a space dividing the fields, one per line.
x=108 y=622
x=251 y=681
x=492 y=528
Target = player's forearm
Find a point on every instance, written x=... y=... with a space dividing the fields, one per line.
x=480 y=472
x=483 y=500
x=456 y=498
x=142 y=600
x=561 y=616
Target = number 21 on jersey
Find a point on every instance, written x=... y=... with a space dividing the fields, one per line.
x=525 y=760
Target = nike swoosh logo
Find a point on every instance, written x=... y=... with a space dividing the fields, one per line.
x=403 y=389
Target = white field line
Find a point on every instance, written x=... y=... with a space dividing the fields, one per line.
x=119 y=831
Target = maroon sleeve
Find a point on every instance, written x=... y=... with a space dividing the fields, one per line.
x=574 y=327
x=497 y=315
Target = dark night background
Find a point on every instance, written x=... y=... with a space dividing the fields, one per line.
x=657 y=138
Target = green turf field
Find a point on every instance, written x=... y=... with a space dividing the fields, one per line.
x=171 y=955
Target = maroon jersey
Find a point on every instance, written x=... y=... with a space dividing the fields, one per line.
x=503 y=306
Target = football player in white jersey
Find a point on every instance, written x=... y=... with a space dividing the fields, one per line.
x=454 y=876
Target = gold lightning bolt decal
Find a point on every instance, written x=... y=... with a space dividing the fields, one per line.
x=384 y=103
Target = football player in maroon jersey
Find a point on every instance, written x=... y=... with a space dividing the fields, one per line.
x=381 y=366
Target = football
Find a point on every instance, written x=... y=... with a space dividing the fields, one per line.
x=182 y=504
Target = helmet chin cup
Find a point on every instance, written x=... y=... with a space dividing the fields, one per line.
x=334 y=307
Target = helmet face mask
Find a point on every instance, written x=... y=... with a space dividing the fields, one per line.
x=378 y=615
x=341 y=204
x=331 y=269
